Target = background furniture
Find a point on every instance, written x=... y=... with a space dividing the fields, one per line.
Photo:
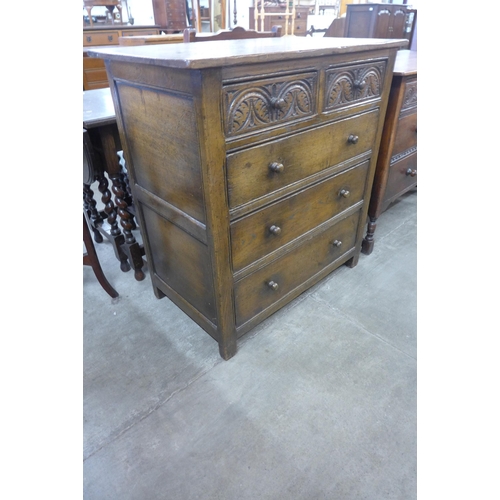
x=109 y=4
x=101 y=147
x=94 y=73
x=379 y=20
x=150 y=39
x=292 y=24
x=271 y=154
x=170 y=15
x=237 y=33
x=90 y=258
x=397 y=161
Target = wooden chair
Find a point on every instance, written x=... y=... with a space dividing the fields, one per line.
x=238 y=33
x=337 y=28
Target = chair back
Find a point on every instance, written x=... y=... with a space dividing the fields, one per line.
x=238 y=33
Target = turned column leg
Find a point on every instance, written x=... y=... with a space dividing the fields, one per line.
x=131 y=246
x=368 y=241
x=90 y=207
x=115 y=232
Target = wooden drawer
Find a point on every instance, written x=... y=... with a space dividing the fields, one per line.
x=250 y=174
x=94 y=74
x=255 y=292
x=139 y=32
x=257 y=105
x=264 y=231
x=406 y=135
x=354 y=84
x=107 y=38
x=409 y=103
x=402 y=176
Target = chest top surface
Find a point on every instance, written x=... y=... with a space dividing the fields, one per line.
x=237 y=52
x=406 y=63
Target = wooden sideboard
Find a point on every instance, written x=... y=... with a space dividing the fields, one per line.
x=396 y=171
x=279 y=18
x=94 y=73
x=250 y=163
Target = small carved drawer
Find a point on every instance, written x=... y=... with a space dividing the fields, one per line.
x=270 y=102
x=262 y=170
x=402 y=176
x=260 y=290
x=107 y=38
x=354 y=84
x=264 y=231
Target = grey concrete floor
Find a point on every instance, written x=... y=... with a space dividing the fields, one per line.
x=320 y=402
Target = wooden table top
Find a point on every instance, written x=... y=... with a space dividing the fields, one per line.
x=235 y=52
x=98 y=108
x=406 y=63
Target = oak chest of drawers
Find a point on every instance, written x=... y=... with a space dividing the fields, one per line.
x=396 y=171
x=250 y=163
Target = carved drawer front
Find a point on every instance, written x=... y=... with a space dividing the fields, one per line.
x=260 y=233
x=354 y=84
x=260 y=290
x=406 y=135
x=258 y=171
x=409 y=104
x=270 y=102
x=402 y=176
x=108 y=38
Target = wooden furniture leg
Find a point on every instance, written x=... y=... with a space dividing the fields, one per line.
x=91 y=259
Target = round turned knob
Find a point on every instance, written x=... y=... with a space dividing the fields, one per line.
x=276 y=167
x=411 y=173
x=359 y=84
x=277 y=103
x=345 y=193
x=353 y=139
x=337 y=243
x=275 y=230
x=272 y=285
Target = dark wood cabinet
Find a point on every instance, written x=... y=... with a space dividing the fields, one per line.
x=170 y=15
x=250 y=163
x=396 y=171
x=382 y=20
x=278 y=18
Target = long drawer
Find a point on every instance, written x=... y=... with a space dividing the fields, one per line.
x=264 y=231
x=406 y=135
x=260 y=290
x=402 y=176
x=258 y=171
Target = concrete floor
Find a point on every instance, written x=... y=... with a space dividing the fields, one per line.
x=320 y=402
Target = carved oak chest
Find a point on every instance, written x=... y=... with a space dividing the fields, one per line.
x=251 y=163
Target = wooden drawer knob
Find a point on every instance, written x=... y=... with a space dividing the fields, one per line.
x=344 y=193
x=353 y=139
x=275 y=230
x=359 y=84
x=276 y=167
x=277 y=103
x=273 y=285
x=411 y=172
x=337 y=243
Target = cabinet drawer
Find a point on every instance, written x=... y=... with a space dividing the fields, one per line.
x=354 y=84
x=108 y=38
x=260 y=233
x=139 y=32
x=406 y=134
x=269 y=102
x=402 y=176
x=261 y=170
x=258 y=291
